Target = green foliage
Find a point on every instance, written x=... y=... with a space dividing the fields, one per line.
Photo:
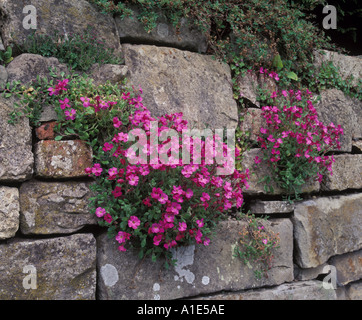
x=78 y=51
x=6 y=56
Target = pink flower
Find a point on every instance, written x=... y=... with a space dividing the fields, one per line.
x=122 y=248
x=97 y=170
x=205 y=197
x=107 y=147
x=200 y=223
x=133 y=222
x=117 y=192
x=116 y=122
x=189 y=193
x=64 y=103
x=70 y=115
x=206 y=241
x=156 y=228
x=100 y=212
x=265 y=241
x=182 y=226
x=263 y=130
x=133 y=179
x=157 y=239
x=257 y=160
x=108 y=218
x=122 y=236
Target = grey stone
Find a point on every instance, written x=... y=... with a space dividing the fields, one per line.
x=348 y=266
x=186 y=37
x=308 y=273
x=270 y=207
x=347 y=171
x=26 y=67
x=176 y=81
x=305 y=290
x=251 y=122
x=9 y=212
x=49 y=269
x=326 y=227
x=54 y=207
x=16 y=157
x=335 y=107
x=199 y=270
x=107 y=72
x=68 y=16
x=354 y=291
x=3 y=77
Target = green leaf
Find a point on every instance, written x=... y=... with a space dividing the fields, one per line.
x=277 y=62
x=57 y=138
x=292 y=75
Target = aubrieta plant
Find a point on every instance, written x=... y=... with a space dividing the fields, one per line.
x=295 y=142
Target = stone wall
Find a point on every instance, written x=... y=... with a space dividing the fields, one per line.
x=47 y=232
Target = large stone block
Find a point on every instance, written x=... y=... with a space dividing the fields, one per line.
x=62 y=159
x=325 y=227
x=181 y=81
x=199 y=270
x=336 y=107
x=67 y=16
x=304 y=290
x=347 y=173
x=16 y=157
x=9 y=212
x=49 y=269
x=54 y=207
x=348 y=267
x=186 y=37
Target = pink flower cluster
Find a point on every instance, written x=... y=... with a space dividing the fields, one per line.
x=199 y=196
x=69 y=112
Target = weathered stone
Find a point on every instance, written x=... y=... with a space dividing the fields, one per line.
x=59 y=268
x=354 y=291
x=357 y=145
x=306 y=290
x=48 y=114
x=348 y=266
x=46 y=131
x=68 y=16
x=62 y=159
x=9 y=212
x=347 y=171
x=54 y=207
x=348 y=65
x=26 y=67
x=257 y=172
x=335 y=107
x=16 y=157
x=186 y=37
x=270 y=207
x=199 y=270
x=181 y=81
x=325 y=227
x=252 y=122
x=309 y=273
x=3 y=77
x=251 y=82
x=107 y=72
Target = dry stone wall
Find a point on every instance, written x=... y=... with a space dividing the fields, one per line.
x=45 y=223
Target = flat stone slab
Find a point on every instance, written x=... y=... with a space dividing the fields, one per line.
x=176 y=81
x=326 y=227
x=54 y=207
x=200 y=270
x=62 y=159
x=49 y=269
x=270 y=207
x=348 y=267
x=304 y=290
x=16 y=157
x=347 y=173
x=9 y=212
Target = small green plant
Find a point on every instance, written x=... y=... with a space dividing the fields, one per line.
x=78 y=51
x=257 y=245
x=6 y=56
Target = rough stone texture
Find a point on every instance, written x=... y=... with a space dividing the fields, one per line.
x=46 y=131
x=354 y=291
x=309 y=273
x=27 y=66
x=252 y=122
x=357 y=145
x=347 y=65
x=325 y=227
x=68 y=16
x=335 y=107
x=113 y=72
x=180 y=81
x=347 y=173
x=9 y=212
x=260 y=171
x=348 y=266
x=48 y=114
x=16 y=157
x=249 y=83
x=62 y=159
x=3 y=77
x=186 y=37
x=200 y=270
x=65 y=268
x=270 y=207
x=306 y=290
x=54 y=207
